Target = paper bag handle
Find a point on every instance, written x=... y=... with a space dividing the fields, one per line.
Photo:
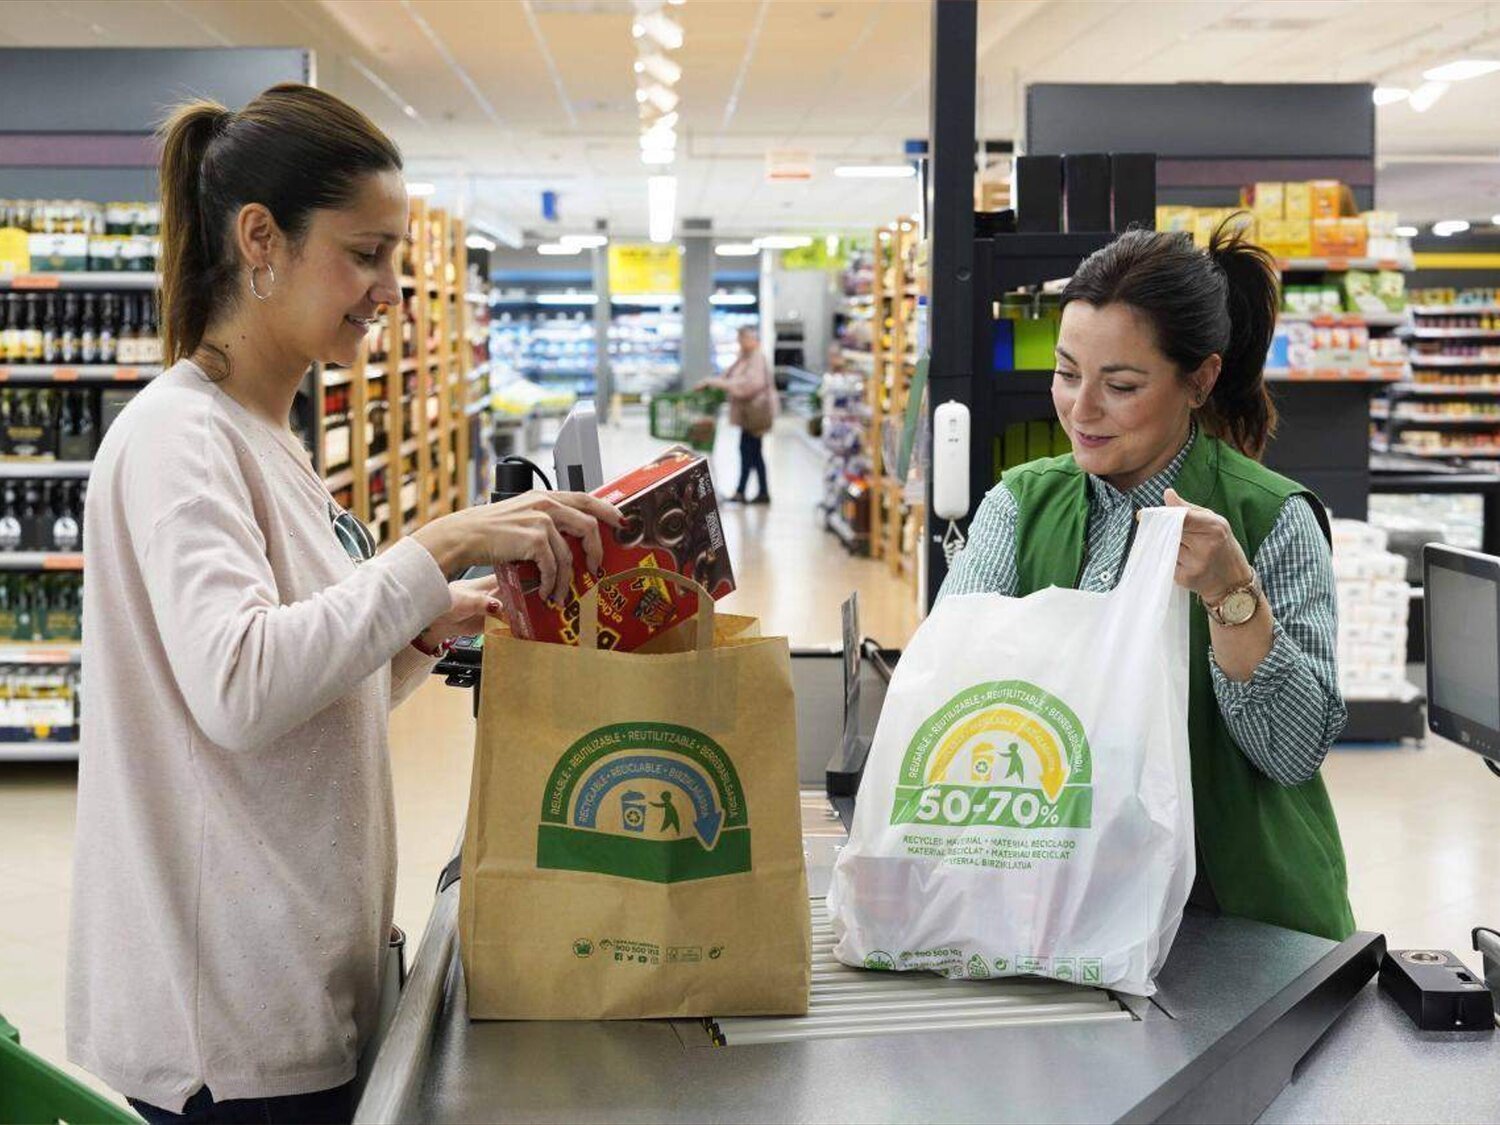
x=588 y=605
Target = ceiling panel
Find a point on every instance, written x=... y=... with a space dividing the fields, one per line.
x=847 y=79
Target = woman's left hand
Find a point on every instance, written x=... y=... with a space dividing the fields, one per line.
x=472 y=599
x=1210 y=561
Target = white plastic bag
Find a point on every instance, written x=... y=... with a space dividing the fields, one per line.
x=1026 y=807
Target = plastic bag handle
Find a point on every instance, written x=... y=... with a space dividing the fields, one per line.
x=588 y=605
x=1151 y=569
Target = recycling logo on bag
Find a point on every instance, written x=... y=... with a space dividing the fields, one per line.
x=647 y=801
x=1003 y=755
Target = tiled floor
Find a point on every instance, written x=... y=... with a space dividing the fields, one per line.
x=1421 y=826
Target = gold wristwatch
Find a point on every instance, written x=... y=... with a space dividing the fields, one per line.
x=1238 y=605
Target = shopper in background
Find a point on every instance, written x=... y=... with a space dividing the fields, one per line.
x=235 y=861
x=1159 y=385
x=751 y=386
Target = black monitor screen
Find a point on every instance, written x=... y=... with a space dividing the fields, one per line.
x=1465 y=652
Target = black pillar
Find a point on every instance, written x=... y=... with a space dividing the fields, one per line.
x=950 y=211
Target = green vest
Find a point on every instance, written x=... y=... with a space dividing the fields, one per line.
x=1270 y=852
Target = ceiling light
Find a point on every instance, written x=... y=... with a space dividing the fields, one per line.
x=783 y=242
x=1495 y=220
x=554 y=249
x=660 y=67
x=1462 y=70
x=661 y=28
x=567 y=298
x=874 y=171
x=659 y=96
x=736 y=250
x=1390 y=95
x=661 y=206
x=1425 y=96
x=732 y=299
x=637 y=29
x=420 y=189
x=409 y=110
x=479 y=242
x=657 y=156
x=585 y=241
x=1449 y=227
x=1407 y=232
x=658 y=138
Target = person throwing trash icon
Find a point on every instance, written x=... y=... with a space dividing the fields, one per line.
x=669 y=819
x=1015 y=767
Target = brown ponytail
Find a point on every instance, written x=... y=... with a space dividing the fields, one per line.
x=1222 y=302
x=294 y=149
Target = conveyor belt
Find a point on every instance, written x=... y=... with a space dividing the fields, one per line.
x=849 y=1002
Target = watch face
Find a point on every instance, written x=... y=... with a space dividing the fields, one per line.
x=1238 y=608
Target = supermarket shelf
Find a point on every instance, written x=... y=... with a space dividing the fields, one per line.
x=408 y=366
x=1482 y=453
x=1371 y=320
x=337 y=376
x=1453 y=361
x=76 y=373
x=1462 y=421
x=409 y=447
x=1456 y=333
x=845 y=534
x=1339 y=265
x=377 y=462
x=480 y=299
x=40 y=560
x=1334 y=375
x=38 y=751
x=476 y=408
x=45 y=470
x=341 y=479
x=82 y=279
x=408 y=282
x=1436 y=391
x=42 y=652
x=1453 y=310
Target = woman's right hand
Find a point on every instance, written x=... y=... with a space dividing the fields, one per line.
x=526 y=528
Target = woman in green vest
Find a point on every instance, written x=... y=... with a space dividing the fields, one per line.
x=1160 y=387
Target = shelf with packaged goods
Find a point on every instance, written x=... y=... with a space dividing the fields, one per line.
x=82 y=279
x=1454 y=360
x=1482 y=453
x=343 y=478
x=1341 y=265
x=1455 y=333
x=75 y=373
x=1454 y=310
x=1381 y=413
x=1394 y=373
x=39 y=750
x=1327 y=319
x=41 y=652
x=44 y=470
x=41 y=560
x=1437 y=391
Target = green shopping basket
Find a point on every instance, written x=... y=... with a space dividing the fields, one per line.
x=690 y=417
x=33 y=1092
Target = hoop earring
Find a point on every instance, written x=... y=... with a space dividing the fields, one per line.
x=259 y=296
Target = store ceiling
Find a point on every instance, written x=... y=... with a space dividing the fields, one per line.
x=514 y=97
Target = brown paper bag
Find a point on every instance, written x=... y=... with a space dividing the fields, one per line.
x=634 y=843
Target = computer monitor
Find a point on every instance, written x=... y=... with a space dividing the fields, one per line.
x=575 y=455
x=1462 y=622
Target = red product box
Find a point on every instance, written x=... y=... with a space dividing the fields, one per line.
x=671 y=521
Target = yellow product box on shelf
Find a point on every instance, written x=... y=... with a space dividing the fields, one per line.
x=1339 y=238
x=1297 y=200
x=1172 y=217
x=1286 y=238
x=1265 y=199
x=1327 y=198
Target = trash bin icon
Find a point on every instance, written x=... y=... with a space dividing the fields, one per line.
x=633 y=810
x=982 y=764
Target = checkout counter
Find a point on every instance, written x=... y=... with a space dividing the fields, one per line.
x=1251 y=1022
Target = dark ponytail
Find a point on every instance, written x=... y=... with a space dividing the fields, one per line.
x=294 y=149
x=1222 y=301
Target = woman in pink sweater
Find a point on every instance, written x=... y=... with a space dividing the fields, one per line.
x=751 y=386
x=235 y=860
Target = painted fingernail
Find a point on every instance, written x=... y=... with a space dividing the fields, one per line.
x=493 y=606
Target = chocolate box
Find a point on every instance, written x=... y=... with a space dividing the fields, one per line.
x=672 y=522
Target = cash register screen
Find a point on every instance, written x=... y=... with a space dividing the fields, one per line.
x=1462 y=591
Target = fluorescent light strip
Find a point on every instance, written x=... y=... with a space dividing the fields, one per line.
x=1407 y=232
x=478 y=242
x=732 y=299
x=661 y=204
x=584 y=241
x=1425 y=96
x=557 y=249
x=1449 y=227
x=576 y=299
x=1390 y=95
x=874 y=171
x=1462 y=70
x=783 y=242
x=736 y=250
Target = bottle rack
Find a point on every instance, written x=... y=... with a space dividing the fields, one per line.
x=896 y=518
x=391 y=434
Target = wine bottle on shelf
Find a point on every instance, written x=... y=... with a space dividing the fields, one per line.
x=108 y=341
x=88 y=333
x=51 y=336
x=10 y=521
x=127 y=345
x=68 y=332
x=31 y=340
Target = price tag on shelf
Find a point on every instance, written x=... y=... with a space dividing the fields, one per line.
x=63 y=562
x=66 y=375
x=1338 y=264
x=127 y=374
x=4 y=374
x=36 y=281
